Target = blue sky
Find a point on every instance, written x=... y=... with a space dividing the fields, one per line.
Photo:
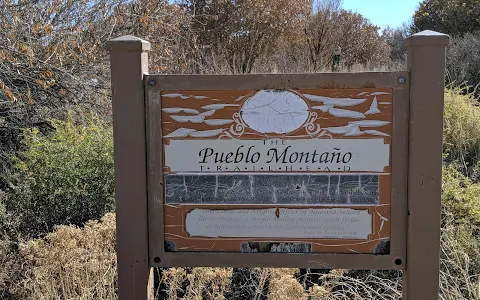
x=384 y=13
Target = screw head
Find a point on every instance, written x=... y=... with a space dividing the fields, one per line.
x=152 y=82
x=401 y=79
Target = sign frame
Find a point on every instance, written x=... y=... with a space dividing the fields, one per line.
x=416 y=165
x=397 y=81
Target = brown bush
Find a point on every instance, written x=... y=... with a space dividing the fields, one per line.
x=71 y=263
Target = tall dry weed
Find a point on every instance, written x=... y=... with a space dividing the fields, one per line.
x=341 y=284
x=72 y=263
x=283 y=285
x=459 y=262
x=6 y=261
x=196 y=283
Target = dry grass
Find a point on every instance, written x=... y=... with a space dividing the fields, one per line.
x=5 y=261
x=71 y=263
x=459 y=263
x=283 y=285
x=80 y=264
x=198 y=284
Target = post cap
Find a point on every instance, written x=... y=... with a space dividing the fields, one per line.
x=428 y=38
x=128 y=43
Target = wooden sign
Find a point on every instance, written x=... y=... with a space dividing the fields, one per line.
x=321 y=171
x=303 y=171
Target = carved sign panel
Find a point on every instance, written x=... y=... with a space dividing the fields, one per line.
x=304 y=171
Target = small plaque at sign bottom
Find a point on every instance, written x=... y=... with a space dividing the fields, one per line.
x=333 y=223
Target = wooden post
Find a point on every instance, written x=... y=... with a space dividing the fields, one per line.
x=426 y=63
x=129 y=63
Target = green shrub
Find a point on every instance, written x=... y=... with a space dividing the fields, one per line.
x=460 y=197
x=64 y=178
x=462 y=130
x=460 y=266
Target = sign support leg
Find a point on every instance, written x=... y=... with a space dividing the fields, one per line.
x=129 y=63
x=426 y=63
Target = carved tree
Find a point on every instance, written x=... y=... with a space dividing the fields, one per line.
x=360 y=41
x=330 y=28
x=242 y=31
x=395 y=37
x=321 y=31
